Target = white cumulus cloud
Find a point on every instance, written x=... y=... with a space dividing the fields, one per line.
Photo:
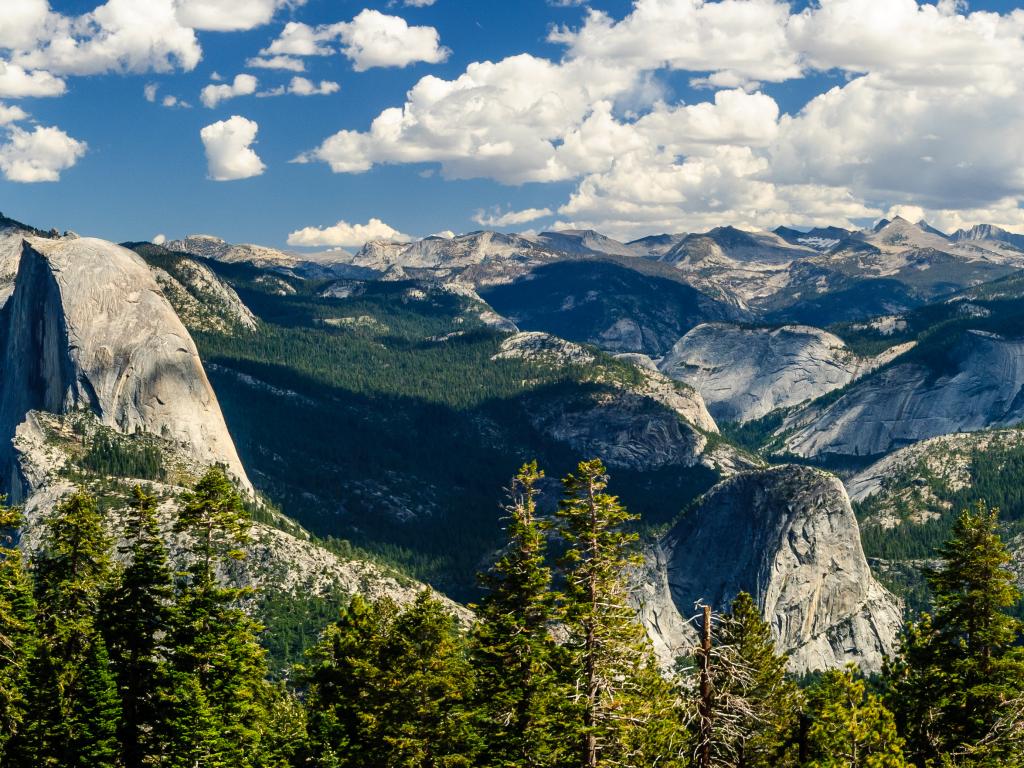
x=38 y=155
x=118 y=36
x=229 y=15
x=374 y=39
x=346 y=235
x=243 y=85
x=16 y=82
x=371 y=39
x=229 y=152
x=300 y=86
x=11 y=114
x=159 y=239
x=299 y=39
x=289 y=63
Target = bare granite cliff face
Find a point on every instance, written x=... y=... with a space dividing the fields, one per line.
x=745 y=373
x=788 y=536
x=982 y=386
x=88 y=328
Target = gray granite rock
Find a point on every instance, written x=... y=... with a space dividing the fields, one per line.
x=788 y=536
x=745 y=373
x=909 y=401
x=87 y=327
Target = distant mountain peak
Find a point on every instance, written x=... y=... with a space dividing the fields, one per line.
x=924 y=225
x=988 y=232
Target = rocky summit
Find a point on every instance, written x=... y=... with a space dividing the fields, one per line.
x=786 y=535
x=87 y=327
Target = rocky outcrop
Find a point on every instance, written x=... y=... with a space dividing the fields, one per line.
x=635 y=419
x=745 y=373
x=982 y=386
x=918 y=483
x=625 y=429
x=87 y=328
x=788 y=536
x=201 y=299
x=587 y=242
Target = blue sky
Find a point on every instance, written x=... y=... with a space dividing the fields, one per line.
x=864 y=150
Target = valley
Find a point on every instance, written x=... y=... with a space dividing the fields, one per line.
x=378 y=401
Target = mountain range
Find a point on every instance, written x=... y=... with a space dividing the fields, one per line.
x=374 y=403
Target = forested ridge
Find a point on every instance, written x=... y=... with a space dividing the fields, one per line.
x=112 y=656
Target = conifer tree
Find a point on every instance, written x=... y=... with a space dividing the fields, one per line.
x=190 y=730
x=219 y=669
x=73 y=712
x=391 y=689
x=430 y=682
x=849 y=727
x=17 y=629
x=519 y=693
x=752 y=707
x=345 y=703
x=958 y=681
x=137 y=620
x=626 y=706
x=284 y=742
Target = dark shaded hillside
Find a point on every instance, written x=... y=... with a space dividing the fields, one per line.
x=600 y=302
x=861 y=300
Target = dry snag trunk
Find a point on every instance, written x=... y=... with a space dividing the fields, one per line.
x=590 y=745
x=706 y=705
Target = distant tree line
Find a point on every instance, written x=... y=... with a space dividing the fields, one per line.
x=123 y=661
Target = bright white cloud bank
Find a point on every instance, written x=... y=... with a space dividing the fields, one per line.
x=927 y=111
x=123 y=35
x=229 y=15
x=229 y=152
x=346 y=235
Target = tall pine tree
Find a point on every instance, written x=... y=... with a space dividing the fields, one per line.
x=345 y=703
x=626 y=707
x=391 y=689
x=137 y=621
x=849 y=727
x=17 y=628
x=958 y=681
x=516 y=660
x=219 y=692
x=74 y=711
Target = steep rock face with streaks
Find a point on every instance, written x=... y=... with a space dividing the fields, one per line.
x=980 y=384
x=88 y=328
x=633 y=417
x=745 y=373
x=788 y=536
